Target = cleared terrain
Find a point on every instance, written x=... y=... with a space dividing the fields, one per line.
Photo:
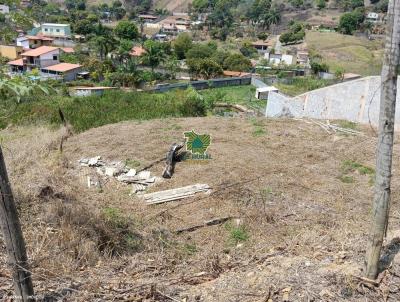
x=300 y=199
x=353 y=54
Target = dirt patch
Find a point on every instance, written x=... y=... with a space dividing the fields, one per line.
x=299 y=230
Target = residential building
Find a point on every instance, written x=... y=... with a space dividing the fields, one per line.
x=32 y=42
x=175 y=24
x=262 y=46
x=148 y=18
x=4 y=9
x=11 y=52
x=61 y=71
x=38 y=58
x=303 y=58
x=60 y=33
x=276 y=59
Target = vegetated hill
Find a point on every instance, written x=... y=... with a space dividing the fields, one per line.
x=170 y=5
x=300 y=198
x=354 y=54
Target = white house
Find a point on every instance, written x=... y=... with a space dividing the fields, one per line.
x=276 y=59
x=38 y=58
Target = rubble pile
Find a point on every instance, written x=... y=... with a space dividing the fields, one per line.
x=139 y=180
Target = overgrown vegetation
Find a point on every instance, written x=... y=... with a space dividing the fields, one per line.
x=302 y=85
x=93 y=111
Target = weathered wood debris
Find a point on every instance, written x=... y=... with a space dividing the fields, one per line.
x=175 y=194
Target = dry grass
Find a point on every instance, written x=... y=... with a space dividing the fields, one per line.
x=298 y=225
x=353 y=54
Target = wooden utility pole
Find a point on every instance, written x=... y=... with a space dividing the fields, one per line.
x=384 y=154
x=14 y=239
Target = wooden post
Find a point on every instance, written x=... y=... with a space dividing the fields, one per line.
x=14 y=239
x=384 y=154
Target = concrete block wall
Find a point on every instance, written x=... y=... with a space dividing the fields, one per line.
x=357 y=101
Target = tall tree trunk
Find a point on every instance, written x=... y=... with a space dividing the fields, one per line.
x=14 y=239
x=385 y=140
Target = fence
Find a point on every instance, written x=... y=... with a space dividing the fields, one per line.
x=206 y=84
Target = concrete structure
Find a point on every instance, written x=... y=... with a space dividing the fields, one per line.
x=262 y=46
x=372 y=17
x=60 y=33
x=276 y=59
x=33 y=42
x=148 y=18
x=357 y=101
x=10 y=51
x=38 y=58
x=4 y=9
x=41 y=57
x=263 y=92
x=61 y=71
x=88 y=91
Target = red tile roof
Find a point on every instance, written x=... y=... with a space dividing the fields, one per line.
x=137 y=51
x=42 y=38
x=62 y=67
x=39 y=51
x=18 y=62
x=68 y=49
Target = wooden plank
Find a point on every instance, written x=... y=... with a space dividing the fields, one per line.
x=175 y=194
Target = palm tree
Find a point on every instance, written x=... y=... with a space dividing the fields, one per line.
x=154 y=54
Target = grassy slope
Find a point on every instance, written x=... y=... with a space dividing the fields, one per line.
x=354 y=54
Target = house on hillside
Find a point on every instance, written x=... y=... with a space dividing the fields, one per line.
x=32 y=42
x=175 y=24
x=277 y=58
x=61 y=71
x=262 y=46
x=11 y=52
x=38 y=58
x=60 y=33
x=303 y=58
x=148 y=18
x=4 y=9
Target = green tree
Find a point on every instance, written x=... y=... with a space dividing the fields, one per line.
x=123 y=51
x=154 y=55
x=321 y=4
x=204 y=68
x=349 y=22
x=237 y=62
x=199 y=51
x=182 y=44
x=126 y=30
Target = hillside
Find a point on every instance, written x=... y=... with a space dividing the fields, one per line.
x=354 y=54
x=301 y=206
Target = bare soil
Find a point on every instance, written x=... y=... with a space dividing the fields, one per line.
x=299 y=230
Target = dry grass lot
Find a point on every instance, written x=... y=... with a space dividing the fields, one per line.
x=301 y=199
x=354 y=54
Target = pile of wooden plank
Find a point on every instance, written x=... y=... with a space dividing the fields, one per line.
x=175 y=194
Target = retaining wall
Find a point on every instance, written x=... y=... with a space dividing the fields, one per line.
x=357 y=101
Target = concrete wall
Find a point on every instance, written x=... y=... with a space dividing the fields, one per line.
x=357 y=101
